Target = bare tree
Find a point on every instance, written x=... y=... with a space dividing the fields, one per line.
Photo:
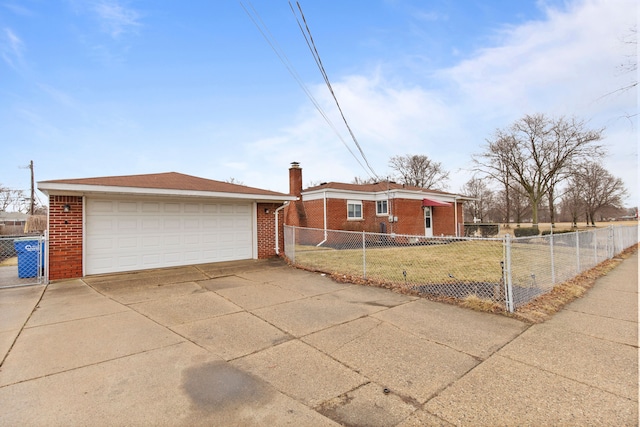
x=233 y=180
x=518 y=202
x=483 y=195
x=572 y=203
x=12 y=200
x=535 y=152
x=419 y=171
x=630 y=64
x=597 y=189
x=359 y=180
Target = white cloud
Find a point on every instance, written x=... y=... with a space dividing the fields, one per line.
x=115 y=18
x=561 y=65
x=60 y=97
x=11 y=48
x=17 y=9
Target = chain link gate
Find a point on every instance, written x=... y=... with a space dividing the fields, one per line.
x=22 y=260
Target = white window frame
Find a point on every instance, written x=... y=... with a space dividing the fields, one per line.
x=386 y=208
x=354 y=203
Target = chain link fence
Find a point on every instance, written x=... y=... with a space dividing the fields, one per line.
x=508 y=271
x=22 y=260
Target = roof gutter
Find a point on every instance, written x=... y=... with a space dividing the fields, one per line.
x=81 y=190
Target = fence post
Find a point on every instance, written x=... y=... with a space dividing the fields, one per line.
x=578 y=251
x=594 y=236
x=610 y=243
x=46 y=257
x=553 y=263
x=293 y=244
x=507 y=273
x=364 y=256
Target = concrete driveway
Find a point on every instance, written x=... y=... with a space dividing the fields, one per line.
x=260 y=343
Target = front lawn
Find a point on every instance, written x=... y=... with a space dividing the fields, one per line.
x=455 y=262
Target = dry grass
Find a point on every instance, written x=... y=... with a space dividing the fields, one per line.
x=473 y=302
x=467 y=260
x=432 y=264
x=9 y=262
x=543 y=307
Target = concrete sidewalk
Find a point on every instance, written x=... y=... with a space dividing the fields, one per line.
x=257 y=343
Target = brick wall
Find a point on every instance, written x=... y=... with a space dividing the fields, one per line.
x=409 y=213
x=65 y=237
x=444 y=220
x=267 y=230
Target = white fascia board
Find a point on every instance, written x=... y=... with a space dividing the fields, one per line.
x=380 y=195
x=82 y=190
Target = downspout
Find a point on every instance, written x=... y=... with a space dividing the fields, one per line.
x=324 y=202
x=455 y=215
x=277 y=236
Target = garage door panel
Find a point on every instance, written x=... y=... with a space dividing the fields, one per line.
x=152 y=242
x=192 y=256
x=151 y=260
x=191 y=208
x=126 y=207
x=126 y=225
x=209 y=239
x=102 y=244
x=123 y=235
x=151 y=224
x=105 y=224
x=127 y=262
x=172 y=207
x=210 y=224
x=105 y=263
x=103 y=206
x=209 y=208
x=148 y=207
x=172 y=224
x=172 y=258
x=242 y=209
x=192 y=224
x=127 y=243
x=172 y=239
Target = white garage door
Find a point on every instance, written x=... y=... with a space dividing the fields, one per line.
x=125 y=235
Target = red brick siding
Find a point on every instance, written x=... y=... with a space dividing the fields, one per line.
x=410 y=216
x=444 y=220
x=65 y=237
x=267 y=230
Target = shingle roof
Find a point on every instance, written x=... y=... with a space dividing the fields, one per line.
x=166 y=181
x=373 y=188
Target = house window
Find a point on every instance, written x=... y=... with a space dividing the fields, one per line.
x=354 y=209
x=381 y=207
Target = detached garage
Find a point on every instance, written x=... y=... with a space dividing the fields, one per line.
x=137 y=222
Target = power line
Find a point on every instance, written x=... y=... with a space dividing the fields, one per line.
x=271 y=40
x=316 y=55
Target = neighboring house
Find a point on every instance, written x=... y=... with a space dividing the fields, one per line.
x=12 y=222
x=136 y=222
x=383 y=207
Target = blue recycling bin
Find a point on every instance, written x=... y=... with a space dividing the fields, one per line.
x=27 y=250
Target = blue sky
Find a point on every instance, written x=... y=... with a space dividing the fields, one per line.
x=112 y=87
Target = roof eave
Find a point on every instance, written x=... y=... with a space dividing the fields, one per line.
x=415 y=193
x=50 y=188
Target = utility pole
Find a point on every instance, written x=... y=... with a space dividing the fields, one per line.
x=33 y=191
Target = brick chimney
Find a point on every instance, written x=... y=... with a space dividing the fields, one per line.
x=295 y=179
